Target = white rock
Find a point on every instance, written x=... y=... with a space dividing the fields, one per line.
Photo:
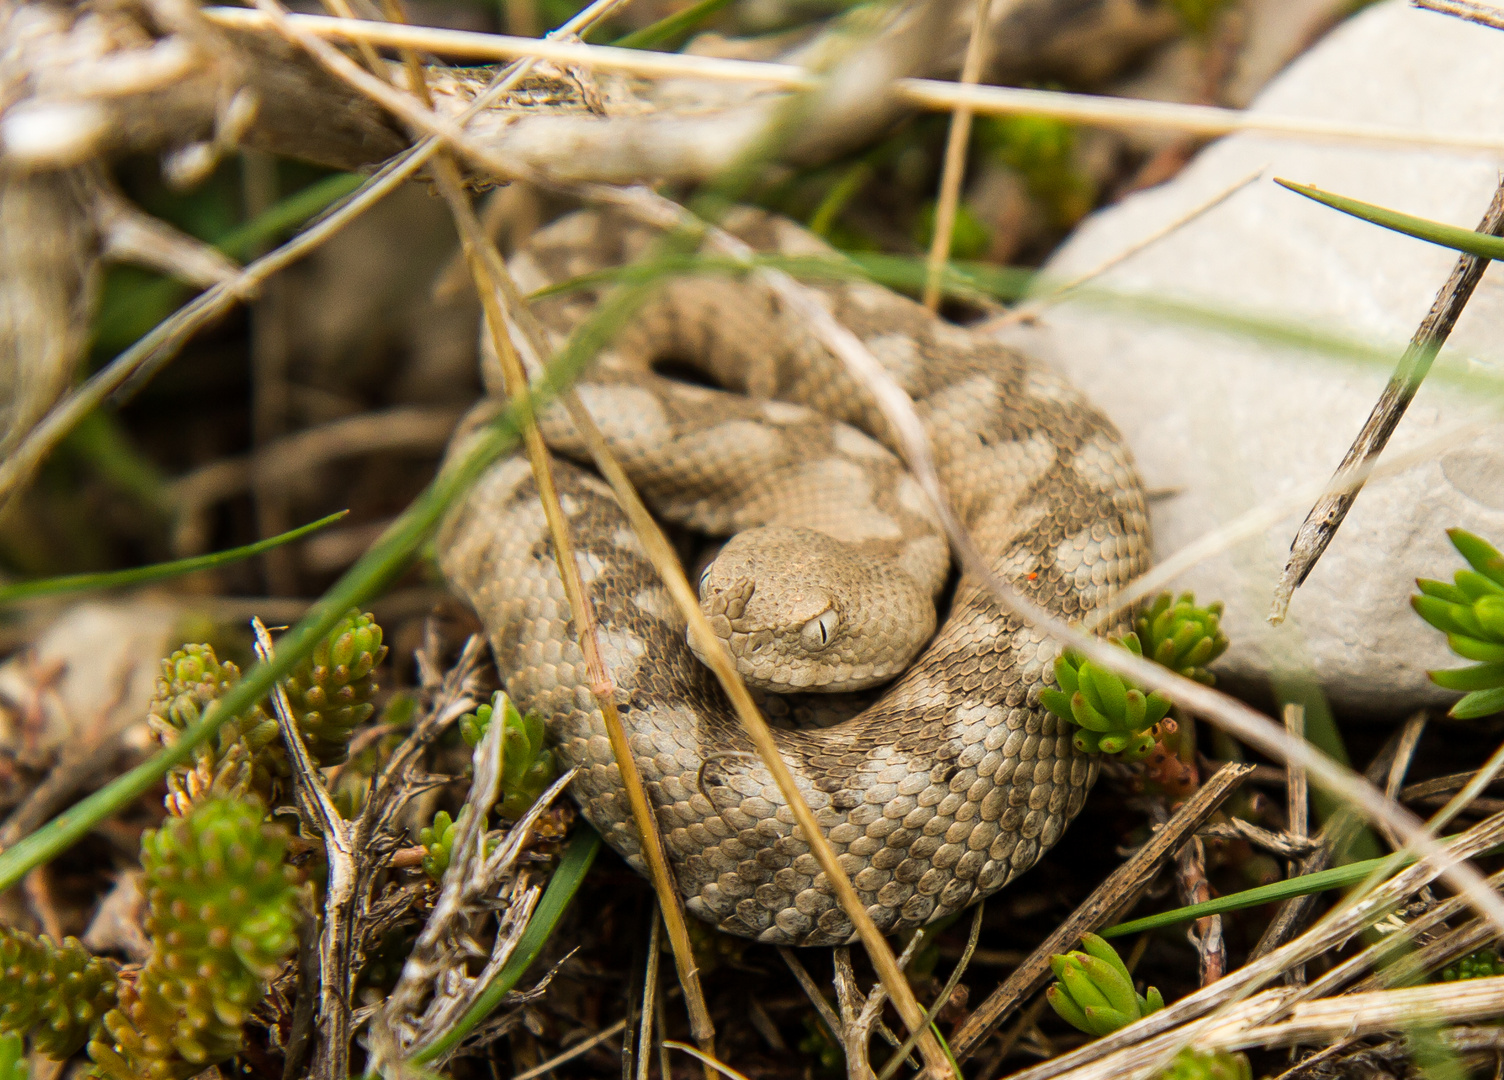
x=1230 y=423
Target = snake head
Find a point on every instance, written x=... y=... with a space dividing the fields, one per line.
x=799 y=612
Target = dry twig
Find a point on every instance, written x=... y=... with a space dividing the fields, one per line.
x=1325 y=518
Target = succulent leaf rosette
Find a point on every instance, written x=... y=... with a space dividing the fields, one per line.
x=527 y=766
x=1095 y=991
x=54 y=993
x=1177 y=634
x=223 y=913
x=330 y=691
x=1482 y=964
x=245 y=754
x=438 y=842
x=1220 y=1065
x=1114 y=716
x=1471 y=614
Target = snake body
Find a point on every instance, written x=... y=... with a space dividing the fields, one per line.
x=955 y=779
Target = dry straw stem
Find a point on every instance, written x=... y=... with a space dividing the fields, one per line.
x=1469 y=10
x=336 y=935
x=925 y=93
x=664 y=213
x=1307 y=1022
x=489 y=271
x=957 y=139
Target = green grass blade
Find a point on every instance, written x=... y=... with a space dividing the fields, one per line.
x=287 y=214
x=1449 y=236
x=1335 y=878
x=668 y=32
x=25 y=590
x=556 y=898
x=1274 y=892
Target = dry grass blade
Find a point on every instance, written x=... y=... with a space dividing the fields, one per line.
x=1333 y=839
x=1258 y=519
x=707 y=1060
x=666 y=561
x=943 y=998
x=1032 y=308
x=957 y=139
x=1111 y=899
x=1119 y=113
x=1468 y=10
x=489 y=271
x=582 y=1047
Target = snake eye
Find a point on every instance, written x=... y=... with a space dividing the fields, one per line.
x=819 y=630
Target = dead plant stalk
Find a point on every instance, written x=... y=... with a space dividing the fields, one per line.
x=954 y=170
x=934 y=94
x=487 y=269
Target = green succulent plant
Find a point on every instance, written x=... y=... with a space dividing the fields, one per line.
x=1177 y=634
x=54 y=993
x=245 y=754
x=330 y=691
x=1095 y=991
x=1477 y=965
x=1191 y=1065
x=1113 y=715
x=13 y=1058
x=222 y=914
x=527 y=766
x=1471 y=614
x=439 y=839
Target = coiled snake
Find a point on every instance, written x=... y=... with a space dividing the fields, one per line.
x=955 y=779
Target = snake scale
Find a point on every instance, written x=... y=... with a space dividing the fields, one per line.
x=955 y=779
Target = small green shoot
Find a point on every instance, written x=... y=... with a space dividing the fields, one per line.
x=1217 y=1065
x=1448 y=236
x=527 y=767
x=1112 y=715
x=1471 y=614
x=140 y=575
x=1095 y=990
x=1483 y=964
x=1177 y=634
